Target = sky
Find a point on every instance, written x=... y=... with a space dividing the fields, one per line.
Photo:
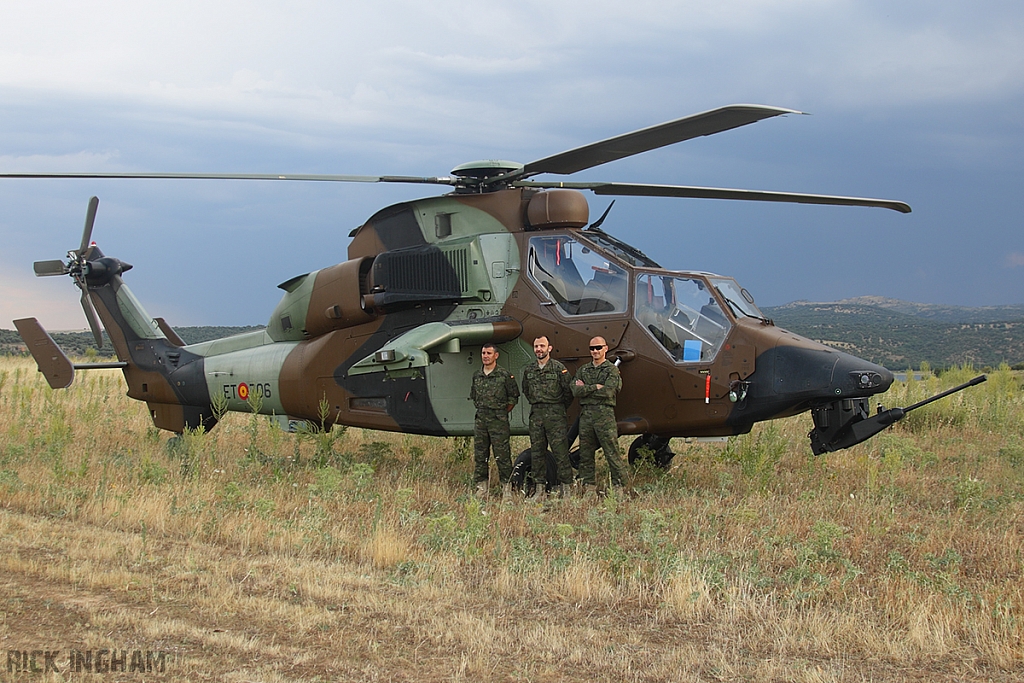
x=915 y=101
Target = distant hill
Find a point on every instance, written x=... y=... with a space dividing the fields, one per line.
x=901 y=334
x=936 y=312
x=79 y=343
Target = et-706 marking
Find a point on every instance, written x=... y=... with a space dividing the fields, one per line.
x=243 y=390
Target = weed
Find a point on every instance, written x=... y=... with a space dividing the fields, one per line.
x=375 y=452
x=360 y=475
x=10 y=480
x=759 y=453
x=461 y=448
x=327 y=483
x=969 y=493
x=1013 y=452
x=151 y=472
x=325 y=436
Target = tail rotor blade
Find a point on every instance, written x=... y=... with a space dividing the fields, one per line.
x=90 y=218
x=94 y=320
x=47 y=268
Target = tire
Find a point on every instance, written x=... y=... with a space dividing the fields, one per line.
x=522 y=472
x=659 y=446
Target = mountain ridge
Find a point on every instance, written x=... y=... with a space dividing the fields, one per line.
x=901 y=334
x=936 y=312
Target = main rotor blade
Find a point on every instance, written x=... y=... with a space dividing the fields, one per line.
x=47 y=268
x=645 y=139
x=90 y=314
x=640 y=190
x=90 y=218
x=444 y=180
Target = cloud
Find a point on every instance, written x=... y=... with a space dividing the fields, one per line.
x=1014 y=259
x=79 y=162
x=361 y=62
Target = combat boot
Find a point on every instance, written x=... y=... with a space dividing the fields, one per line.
x=481 y=490
x=541 y=496
x=557 y=493
x=584 y=490
x=506 y=492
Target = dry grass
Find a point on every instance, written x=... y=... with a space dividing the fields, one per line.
x=900 y=559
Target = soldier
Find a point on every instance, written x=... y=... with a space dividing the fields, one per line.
x=494 y=395
x=546 y=386
x=596 y=385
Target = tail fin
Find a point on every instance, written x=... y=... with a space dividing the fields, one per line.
x=169 y=332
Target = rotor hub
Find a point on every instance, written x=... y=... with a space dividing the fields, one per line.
x=474 y=175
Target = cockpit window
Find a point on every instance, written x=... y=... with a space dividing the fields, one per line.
x=682 y=314
x=579 y=280
x=737 y=298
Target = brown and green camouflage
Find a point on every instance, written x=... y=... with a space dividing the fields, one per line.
x=605 y=374
x=495 y=390
x=548 y=391
x=598 y=427
x=491 y=433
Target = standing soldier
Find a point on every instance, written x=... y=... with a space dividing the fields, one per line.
x=596 y=385
x=494 y=395
x=546 y=386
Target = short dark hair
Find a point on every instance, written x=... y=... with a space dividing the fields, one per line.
x=544 y=337
x=488 y=345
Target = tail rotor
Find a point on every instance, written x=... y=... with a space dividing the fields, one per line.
x=78 y=267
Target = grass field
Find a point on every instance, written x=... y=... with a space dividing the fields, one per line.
x=250 y=554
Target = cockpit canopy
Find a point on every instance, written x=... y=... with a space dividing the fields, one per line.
x=682 y=314
x=578 y=279
x=685 y=313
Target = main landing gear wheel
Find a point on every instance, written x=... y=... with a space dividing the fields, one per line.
x=653 y=446
x=522 y=472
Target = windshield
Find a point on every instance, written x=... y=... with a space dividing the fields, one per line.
x=682 y=314
x=579 y=280
x=737 y=298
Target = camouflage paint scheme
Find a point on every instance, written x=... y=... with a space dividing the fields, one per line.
x=390 y=338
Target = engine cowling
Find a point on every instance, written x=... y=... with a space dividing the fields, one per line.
x=322 y=301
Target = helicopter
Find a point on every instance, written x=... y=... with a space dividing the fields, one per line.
x=389 y=338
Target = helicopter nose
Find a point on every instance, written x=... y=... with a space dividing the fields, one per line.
x=855 y=377
x=814 y=371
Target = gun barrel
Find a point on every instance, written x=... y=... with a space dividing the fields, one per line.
x=977 y=380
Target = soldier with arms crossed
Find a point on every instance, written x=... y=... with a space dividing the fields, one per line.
x=494 y=394
x=596 y=385
x=546 y=386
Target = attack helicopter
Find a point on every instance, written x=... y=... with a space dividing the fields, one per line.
x=389 y=338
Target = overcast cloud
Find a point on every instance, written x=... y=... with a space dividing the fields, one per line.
x=917 y=101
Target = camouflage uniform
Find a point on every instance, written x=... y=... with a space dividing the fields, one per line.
x=548 y=391
x=492 y=395
x=597 y=420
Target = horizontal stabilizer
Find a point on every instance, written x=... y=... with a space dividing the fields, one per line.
x=55 y=366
